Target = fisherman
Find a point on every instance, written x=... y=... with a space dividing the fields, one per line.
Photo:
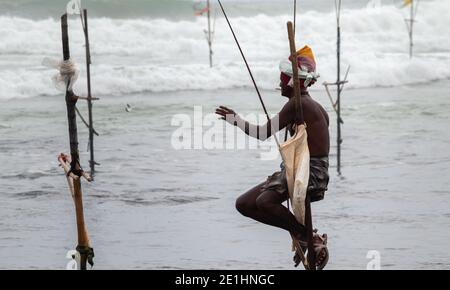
x=264 y=203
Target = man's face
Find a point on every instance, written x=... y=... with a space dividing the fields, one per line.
x=286 y=91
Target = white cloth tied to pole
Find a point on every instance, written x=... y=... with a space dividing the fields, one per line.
x=296 y=159
x=68 y=73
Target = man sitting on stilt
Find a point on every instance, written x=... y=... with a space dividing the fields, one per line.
x=264 y=202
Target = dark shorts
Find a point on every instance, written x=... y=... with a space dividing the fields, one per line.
x=318 y=180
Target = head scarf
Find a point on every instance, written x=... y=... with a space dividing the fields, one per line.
x=307 y=68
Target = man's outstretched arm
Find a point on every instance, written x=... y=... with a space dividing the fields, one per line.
x=260 y=132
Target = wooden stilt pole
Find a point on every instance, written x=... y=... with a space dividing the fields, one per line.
x=300 y=118
x=84 y=247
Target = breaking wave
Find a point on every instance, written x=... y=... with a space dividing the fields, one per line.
x=158 y=55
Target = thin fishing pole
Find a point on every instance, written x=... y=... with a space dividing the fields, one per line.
x=245 y=60
x=249 y=71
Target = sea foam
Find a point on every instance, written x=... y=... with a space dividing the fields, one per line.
x=158 y=55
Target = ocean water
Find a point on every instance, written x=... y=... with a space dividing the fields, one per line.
x=154 y=207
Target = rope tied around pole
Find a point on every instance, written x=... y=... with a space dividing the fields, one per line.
x=67 y=75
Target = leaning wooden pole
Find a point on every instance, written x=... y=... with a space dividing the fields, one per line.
x=75 y=172
x=301 y=119
x=92 y=162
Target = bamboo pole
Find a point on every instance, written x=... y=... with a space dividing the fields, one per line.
x=84 y=246
x=299 y=109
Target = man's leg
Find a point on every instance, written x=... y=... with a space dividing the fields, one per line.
x=266 y=207
x=271 y=204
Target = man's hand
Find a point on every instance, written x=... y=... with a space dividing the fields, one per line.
x=227 y=114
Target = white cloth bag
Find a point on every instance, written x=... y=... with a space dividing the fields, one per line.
x=296 y=159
